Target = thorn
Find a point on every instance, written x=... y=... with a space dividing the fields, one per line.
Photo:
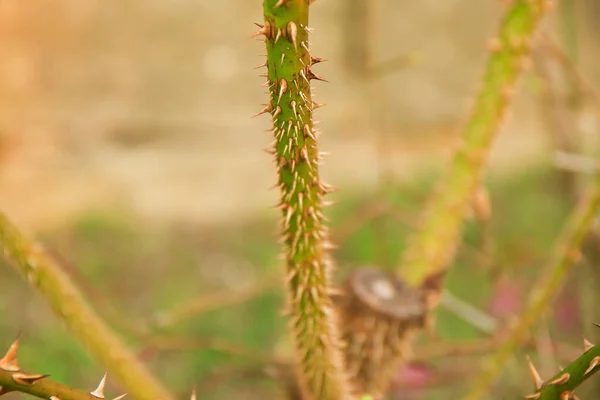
x=278 y=35
x=329 y=246
x=282 y=58
x=279 y=3
x=304 y=153
x=537 y=380
x=277 y=111
x=120 y=397
x=27 y=379
x=293 y=104
x=99 y=392
x=261 y=65
x=282 y=88
x=54 y=398
x=292 y=31
x=303 y=75
x=307 y=132
x=587 y=345
x=267 y=109
x=566 y=395
x=193 y=396
x=593 y=364
x=317 y=105
x=534 y=396
x=9 y=361
x=311 y=75
x=316 y=60
x=596 y=325
x=263 y=30
x=561 y=380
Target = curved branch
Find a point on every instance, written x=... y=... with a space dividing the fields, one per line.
x=431 y=249
x=42 y=273
x=566 y=254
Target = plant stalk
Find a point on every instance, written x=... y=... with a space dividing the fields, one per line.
x=31 y=261
x=431 y=249
x=566 y=254
x=304 y=233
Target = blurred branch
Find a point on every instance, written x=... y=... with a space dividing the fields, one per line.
x=566 y=253
x=214 y=301
x=431 y=249
x=585 y=85
x=392 y=65
x=158 y=342
x=557 y=121
x=469 y=313
x=30 y=260
x=576 y=163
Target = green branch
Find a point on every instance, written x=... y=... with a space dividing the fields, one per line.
x=42 y=273
x=566 y=254
x=38 y=386
x=304 y=233
x=13 y=379
x=562 y=385
x=432 y=248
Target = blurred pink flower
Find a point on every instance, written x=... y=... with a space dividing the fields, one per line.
x=507 y=297
x=411 y=379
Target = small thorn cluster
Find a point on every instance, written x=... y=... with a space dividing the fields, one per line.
x=562 y=385
x=13 y=379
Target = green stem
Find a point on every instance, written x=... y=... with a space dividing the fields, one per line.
x=432 y=248
x=567 y=380
x=566 y=254
x=41 y=388
x=289 y=65
x=30 y=260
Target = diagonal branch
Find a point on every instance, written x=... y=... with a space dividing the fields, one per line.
x=566 y=254
x=562 y=385
x=14 y=379
x=42 y=273
x=431 y=249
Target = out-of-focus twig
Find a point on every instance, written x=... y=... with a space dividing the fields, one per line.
x=566 y=253
x=585 y=85
x=47 y=277
x=469 y=313
x=214 y=301
x=180 y=343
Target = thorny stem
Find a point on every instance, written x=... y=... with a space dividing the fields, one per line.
x=432 y=247
x=566 y=254
x=42 y=388
x=30 y=260
x=562 y=385
x=304 y=234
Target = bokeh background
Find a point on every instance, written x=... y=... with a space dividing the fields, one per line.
x=127 y=147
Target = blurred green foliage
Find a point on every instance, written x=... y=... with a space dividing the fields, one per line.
x=135 y=270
